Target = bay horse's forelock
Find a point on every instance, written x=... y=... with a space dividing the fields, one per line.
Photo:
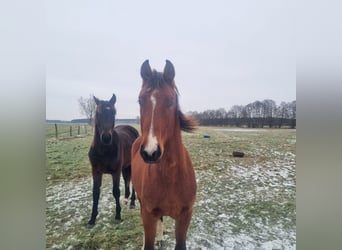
x=165 y=182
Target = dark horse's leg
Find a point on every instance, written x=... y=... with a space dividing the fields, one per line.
x=126 y=177
x=97 y=180
x=132 y=198
x=126 y=173
x=116 y=194
x=182 y=225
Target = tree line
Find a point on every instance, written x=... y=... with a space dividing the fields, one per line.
x=257 y=114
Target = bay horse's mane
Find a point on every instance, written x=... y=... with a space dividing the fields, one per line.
x=187 y=123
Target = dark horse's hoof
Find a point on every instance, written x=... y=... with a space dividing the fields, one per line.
x=117 y=221
x=131 y=206
x=90 y=225
x=160 y=243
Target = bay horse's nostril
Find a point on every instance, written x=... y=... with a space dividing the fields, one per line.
x=150 y=157
x=106 y=138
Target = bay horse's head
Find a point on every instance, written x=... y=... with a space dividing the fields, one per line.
x=105 y=119
x=161 y=119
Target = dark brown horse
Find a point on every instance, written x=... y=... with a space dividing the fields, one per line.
x=162 y=171
x=110 y=153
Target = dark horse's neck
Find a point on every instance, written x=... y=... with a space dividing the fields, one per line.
x=101 y=148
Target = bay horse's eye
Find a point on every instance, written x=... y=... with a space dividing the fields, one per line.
x=169 y=103
x=140 y=101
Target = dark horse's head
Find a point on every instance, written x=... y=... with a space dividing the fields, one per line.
x=105 y=119
x=161 y=118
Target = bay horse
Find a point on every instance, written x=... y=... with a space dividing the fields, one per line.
x=162 y=172
x=110 y=153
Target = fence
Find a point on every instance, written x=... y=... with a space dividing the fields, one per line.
x=61 y=131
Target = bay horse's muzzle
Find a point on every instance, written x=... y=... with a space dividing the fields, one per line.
x=150 y=157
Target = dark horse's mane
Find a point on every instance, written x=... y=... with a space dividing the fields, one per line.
x=187 y=123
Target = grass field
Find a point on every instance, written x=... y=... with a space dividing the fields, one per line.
x=242 y=203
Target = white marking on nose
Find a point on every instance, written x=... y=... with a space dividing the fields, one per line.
x=152 y=143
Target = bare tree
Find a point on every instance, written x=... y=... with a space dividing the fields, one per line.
x=87 y=107
x=282 y=112
x=269 y=111
x=293 y=111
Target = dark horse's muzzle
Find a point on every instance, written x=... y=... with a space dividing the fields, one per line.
x=150 y=157
x=106 y=138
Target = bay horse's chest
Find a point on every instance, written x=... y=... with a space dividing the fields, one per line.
x=168 y=189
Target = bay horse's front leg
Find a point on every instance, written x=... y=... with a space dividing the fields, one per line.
x=97 y=181
x=116 y=194
x=150 y=224
x=182 y=225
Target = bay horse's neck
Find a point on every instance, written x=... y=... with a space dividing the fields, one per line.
x=174 y=145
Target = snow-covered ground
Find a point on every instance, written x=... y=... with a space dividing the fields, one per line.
x=245 y=210
x=241 y=203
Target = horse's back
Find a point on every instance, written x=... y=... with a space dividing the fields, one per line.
x=127 y=133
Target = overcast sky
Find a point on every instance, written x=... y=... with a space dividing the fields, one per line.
x=224 y=52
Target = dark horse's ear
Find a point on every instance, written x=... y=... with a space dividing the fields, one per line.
x=97 y=101
x=146 y=71
x=112 y=100
x=169 y=72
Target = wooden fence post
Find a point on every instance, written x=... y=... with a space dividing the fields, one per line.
x=56 y=130
x=78 y=129
x=85 y=129
x=70 y=130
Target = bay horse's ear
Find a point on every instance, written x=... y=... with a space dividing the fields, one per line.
x=97 y=101
x=169 y=72
x=146 y=71
x=112 y=100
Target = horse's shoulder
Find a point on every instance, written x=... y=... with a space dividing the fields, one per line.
x=136 y=145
